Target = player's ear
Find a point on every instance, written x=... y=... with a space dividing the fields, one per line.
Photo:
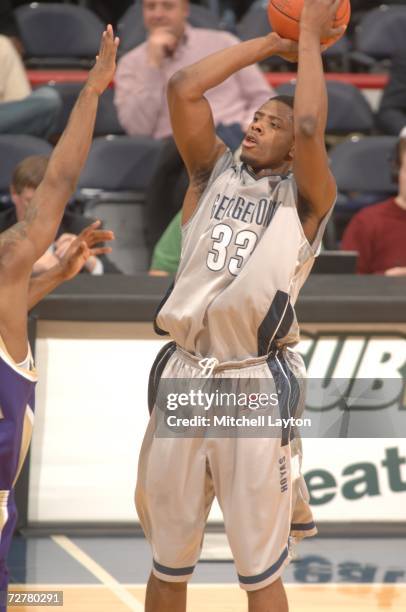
x=291 y=154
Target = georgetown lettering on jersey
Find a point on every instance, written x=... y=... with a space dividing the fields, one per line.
x=259 y=212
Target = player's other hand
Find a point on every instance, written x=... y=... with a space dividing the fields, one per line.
x=83 y=248
x=102 y=73
x=318 y=16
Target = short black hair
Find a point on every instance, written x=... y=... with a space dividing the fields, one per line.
x=288 y=100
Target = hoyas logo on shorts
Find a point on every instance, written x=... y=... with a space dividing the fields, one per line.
x=283 y=472
x=353 y=358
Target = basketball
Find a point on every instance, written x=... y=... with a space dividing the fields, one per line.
x=284 y=17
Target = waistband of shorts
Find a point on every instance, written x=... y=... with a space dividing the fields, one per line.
x=230 y=365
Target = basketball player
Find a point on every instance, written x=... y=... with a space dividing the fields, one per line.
x=20 y=247
x=251 y=231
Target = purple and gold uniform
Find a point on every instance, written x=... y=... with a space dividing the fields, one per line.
x=17 y=388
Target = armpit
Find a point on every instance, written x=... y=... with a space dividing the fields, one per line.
x=303 y=209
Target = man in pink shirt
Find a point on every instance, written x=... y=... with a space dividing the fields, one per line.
x=143 y=73
x=140 y=98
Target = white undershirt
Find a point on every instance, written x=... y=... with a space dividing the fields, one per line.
x=26 y=364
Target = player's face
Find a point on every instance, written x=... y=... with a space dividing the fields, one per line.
x=269 y=141
x=171 y=14
x=22 y=200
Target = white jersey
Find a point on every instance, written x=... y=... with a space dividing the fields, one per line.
x=244 y=260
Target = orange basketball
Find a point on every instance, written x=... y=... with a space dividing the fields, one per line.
x=284 y=17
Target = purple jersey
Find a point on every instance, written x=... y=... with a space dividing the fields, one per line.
x=17 y=387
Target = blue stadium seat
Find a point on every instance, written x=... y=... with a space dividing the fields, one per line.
x=120 y=163
x=13 y=149
x=59 y=35
x=106 y=121
x=379 y=36
x=255 y=23
x=349 y=111
x=362 y=168
x=112 y=188
x=131 y=26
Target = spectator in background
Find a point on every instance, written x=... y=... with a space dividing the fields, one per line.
x=392 y=112
x=143 y=73
x=8 y=25
x=27 y=175
x=140 y=98
x=378 y=232
x=14 y=83
x=23 y=112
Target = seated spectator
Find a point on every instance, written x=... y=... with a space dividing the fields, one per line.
x=9 y=26
x=392 y=111
x=14 y=83
x=26 y=177
x=166 y=255
x=378 y=232
x=143 y=73
x=140 y=98
x=23 y=112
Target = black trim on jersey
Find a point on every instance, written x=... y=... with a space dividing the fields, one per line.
x=286 y=323
x=156 y=372
x=294 y=398
x=283 y=389
x=276 y=323
x=171 y=571
x=268 y=573
x=157 y=329
x=303 y=526
x=252 y=174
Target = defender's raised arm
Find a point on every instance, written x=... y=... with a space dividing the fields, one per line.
x=25 y=242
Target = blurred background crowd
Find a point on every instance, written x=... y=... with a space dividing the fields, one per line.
x=135 y=181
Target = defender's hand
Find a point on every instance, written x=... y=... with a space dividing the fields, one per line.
x=84 y=247
x=318 y=17
x=102 y=73
x=44 y=263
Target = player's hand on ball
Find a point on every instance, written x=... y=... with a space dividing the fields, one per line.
x=285 y=48
x=103 y=71
x=318 y=16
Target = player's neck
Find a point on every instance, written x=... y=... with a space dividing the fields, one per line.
x=282 y=170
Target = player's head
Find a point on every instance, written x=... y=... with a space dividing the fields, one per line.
x=269 y=142
x=171 y=14
x=27 y=175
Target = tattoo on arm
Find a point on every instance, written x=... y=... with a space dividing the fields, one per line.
x=17 y=232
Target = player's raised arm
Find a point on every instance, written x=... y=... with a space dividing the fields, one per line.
x=191 y=116
x=26 y=241
x=315 y=182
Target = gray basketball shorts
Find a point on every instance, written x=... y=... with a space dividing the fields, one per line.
x=257 y=480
